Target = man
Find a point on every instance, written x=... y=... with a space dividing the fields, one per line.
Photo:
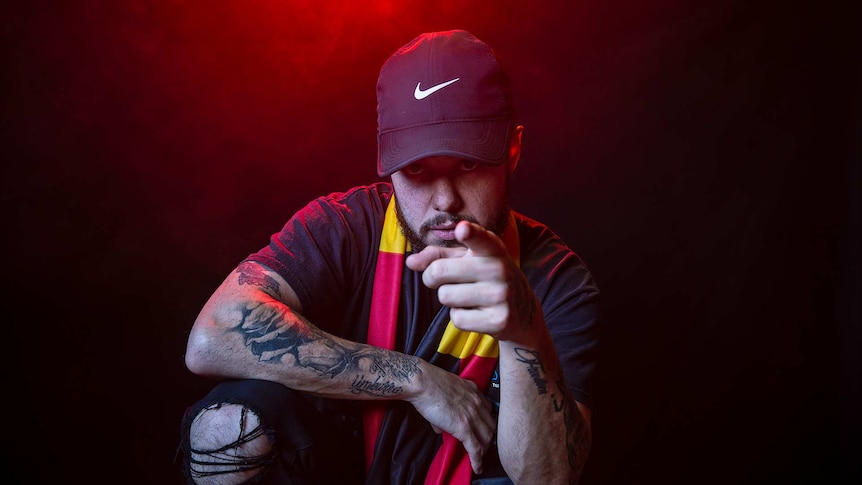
x=413 y=332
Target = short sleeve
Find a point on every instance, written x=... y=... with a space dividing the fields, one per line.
x=327 y=250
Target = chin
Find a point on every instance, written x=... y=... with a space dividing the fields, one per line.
x=449 y=243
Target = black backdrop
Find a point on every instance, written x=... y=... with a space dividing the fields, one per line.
x=702 y=157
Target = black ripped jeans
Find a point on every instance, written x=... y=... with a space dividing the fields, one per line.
x=314 y=441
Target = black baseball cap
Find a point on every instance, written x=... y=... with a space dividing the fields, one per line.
x=443 y=93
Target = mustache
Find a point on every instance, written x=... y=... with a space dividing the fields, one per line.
x=443 y=220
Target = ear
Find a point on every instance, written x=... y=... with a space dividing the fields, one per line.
x=515 y=147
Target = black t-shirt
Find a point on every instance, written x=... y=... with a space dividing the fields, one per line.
x=327 y=253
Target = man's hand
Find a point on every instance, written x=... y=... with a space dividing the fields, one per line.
x=456 y=406
x=480 y=283
x=488 y=293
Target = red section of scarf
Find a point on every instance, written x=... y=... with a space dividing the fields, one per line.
x=381 y=333
x=451 y=464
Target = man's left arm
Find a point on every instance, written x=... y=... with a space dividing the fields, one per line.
x=543 y=434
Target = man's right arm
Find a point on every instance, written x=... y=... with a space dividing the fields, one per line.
x=252 y=328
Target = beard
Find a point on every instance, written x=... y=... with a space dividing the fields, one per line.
x=498 y=223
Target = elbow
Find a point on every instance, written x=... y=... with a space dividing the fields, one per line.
x=194 y=362
x=562 y=476
x=547 y=468
x=522 y=472
x=199 y=352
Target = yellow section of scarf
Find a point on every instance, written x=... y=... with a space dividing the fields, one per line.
x=454 y=342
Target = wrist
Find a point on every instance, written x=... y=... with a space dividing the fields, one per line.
x=414 y=383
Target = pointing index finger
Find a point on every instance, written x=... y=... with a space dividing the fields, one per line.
x=421 y=260
x=480 y=241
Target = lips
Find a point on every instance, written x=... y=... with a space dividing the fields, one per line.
x=443 y=232
x=444 y=227
x=441 y=229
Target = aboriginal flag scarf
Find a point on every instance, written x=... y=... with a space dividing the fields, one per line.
x=399 y=443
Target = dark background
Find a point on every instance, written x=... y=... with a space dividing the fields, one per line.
x=702 y=157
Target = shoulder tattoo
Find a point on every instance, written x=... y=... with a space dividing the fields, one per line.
x=253 y=274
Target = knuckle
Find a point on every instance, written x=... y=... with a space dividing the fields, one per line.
x=498 y=271
x=457 y=315
x=499 y=293
x=444 y=294
x=452 y=297
x=436 y=270
x=498 y=316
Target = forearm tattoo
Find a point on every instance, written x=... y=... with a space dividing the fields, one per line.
x=271 y=333
x=534 y=368
x=526 y=303
x=578 y=438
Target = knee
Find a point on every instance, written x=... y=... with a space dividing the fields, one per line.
x=227 y=445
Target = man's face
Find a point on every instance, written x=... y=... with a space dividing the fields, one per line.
x=435 y=193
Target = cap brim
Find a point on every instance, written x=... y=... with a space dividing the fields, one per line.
x=485 y=141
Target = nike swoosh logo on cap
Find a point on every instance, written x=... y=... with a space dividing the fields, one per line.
x=422 y=94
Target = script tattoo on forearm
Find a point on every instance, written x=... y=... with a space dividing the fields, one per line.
x=401 y=368
x=378 y=387
x=578 y=438
x=535 y=367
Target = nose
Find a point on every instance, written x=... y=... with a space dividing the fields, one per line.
x=446 y=197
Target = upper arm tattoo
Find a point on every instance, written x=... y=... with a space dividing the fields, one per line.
x=272 y=333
